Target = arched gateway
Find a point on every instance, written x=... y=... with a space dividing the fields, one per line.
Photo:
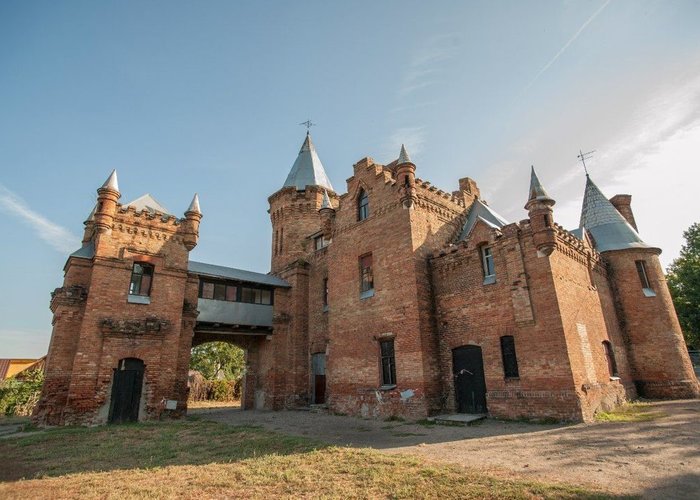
x=133 y=305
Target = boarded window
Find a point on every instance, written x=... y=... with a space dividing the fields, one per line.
x=388 y=362
x=325 y=291
x=141 y=278
x=366 y=276
x=362 y=205
x=510 y=360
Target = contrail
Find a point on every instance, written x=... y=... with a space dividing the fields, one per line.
x=566 y=45
x=55 y=235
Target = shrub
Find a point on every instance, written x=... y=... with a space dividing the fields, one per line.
x=18 y=397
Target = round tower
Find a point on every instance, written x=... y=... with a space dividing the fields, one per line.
x=539 y=207
x=406 y=178
x=294 y=209
x=655 y=343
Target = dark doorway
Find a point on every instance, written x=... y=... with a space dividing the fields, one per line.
x=470 y=385
x=126 y=391
x=318 y=378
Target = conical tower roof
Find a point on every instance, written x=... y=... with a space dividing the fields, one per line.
x=326 y=201
x=308 y=169
x=403 y=156
x=537 y=192
x=610 y=230
x=194 y=206
x=111 y=182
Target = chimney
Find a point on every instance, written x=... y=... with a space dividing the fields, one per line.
x=623 y=204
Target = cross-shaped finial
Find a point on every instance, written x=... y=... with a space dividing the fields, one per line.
x=308 y=124
x=582 y=157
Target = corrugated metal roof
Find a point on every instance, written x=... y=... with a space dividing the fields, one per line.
x=479 y=211
x=610 y=230
x=308 y=169
x=215 y=271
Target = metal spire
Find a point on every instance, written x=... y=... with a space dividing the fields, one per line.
x=403 y=156
x=194 y=206
x=582 y=157
x=111 y=182
x=537 y=192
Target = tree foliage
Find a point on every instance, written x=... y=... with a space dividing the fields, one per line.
x=684 y=283
x=19 y=396
x=218 y=361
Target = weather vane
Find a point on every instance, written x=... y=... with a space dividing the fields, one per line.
x=583 y=157
x=308 y=124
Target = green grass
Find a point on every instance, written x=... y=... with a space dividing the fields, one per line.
x=631 y=412
x=211 y=460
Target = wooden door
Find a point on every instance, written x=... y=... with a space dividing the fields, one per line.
x=470 y=384
x=318 y=378
x=126 y=391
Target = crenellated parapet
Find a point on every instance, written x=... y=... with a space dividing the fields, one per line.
x=70 y=296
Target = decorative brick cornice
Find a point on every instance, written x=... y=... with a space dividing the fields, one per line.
x=71 y=296
x=131 y=327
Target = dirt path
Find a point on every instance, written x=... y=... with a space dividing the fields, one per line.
x=657 y=459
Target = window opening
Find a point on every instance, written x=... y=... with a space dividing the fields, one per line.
x=388 y=362
x=363 y=206
x=366 y=276
x=510 y=360
x=141 y=279
x=610 y=358
x=488 y=265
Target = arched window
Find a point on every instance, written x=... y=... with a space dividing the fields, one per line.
x=610 y=358
x=362 y=205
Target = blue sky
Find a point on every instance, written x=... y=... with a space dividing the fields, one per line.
x=207 y=96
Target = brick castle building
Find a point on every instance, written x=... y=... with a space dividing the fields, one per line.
x=394 y=298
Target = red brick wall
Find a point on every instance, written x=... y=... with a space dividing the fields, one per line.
x=658 y=353
x=104 y=328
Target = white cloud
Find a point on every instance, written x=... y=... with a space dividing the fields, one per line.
x=55 y=235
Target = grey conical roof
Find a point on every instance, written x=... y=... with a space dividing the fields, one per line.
x=403 y=156
x=308 y=169
x=111 y=182
x=479 y=211
x=194 y=206
x=610 y=230
x=326 y=201
x=537 y=192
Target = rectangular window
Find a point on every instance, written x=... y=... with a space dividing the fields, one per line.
x=325 y=292
x=644 y=278
x=320 y=242
x=366 y=276
x=231 y=293
x=510 y=361
x=488 y=265
x=207 y=290
x=141 y=278
x=219 y=291
x=386 y=348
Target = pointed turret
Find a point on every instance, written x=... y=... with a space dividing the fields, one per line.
x=89 y=226
x=308 y=169
x=539 y=208
x=194 y=206
x=107 y=197
x=610 y=230
x=406 y=178
x=111 y=182
x=327 y=214
x=537 y=192
x=193 y=216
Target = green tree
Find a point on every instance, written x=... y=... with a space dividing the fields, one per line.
x=684 y=283
x=218 y=361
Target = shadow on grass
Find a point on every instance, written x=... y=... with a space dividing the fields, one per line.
x=68 y=450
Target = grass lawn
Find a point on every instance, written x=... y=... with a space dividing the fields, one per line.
x=199 y=459
x=631 y=412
